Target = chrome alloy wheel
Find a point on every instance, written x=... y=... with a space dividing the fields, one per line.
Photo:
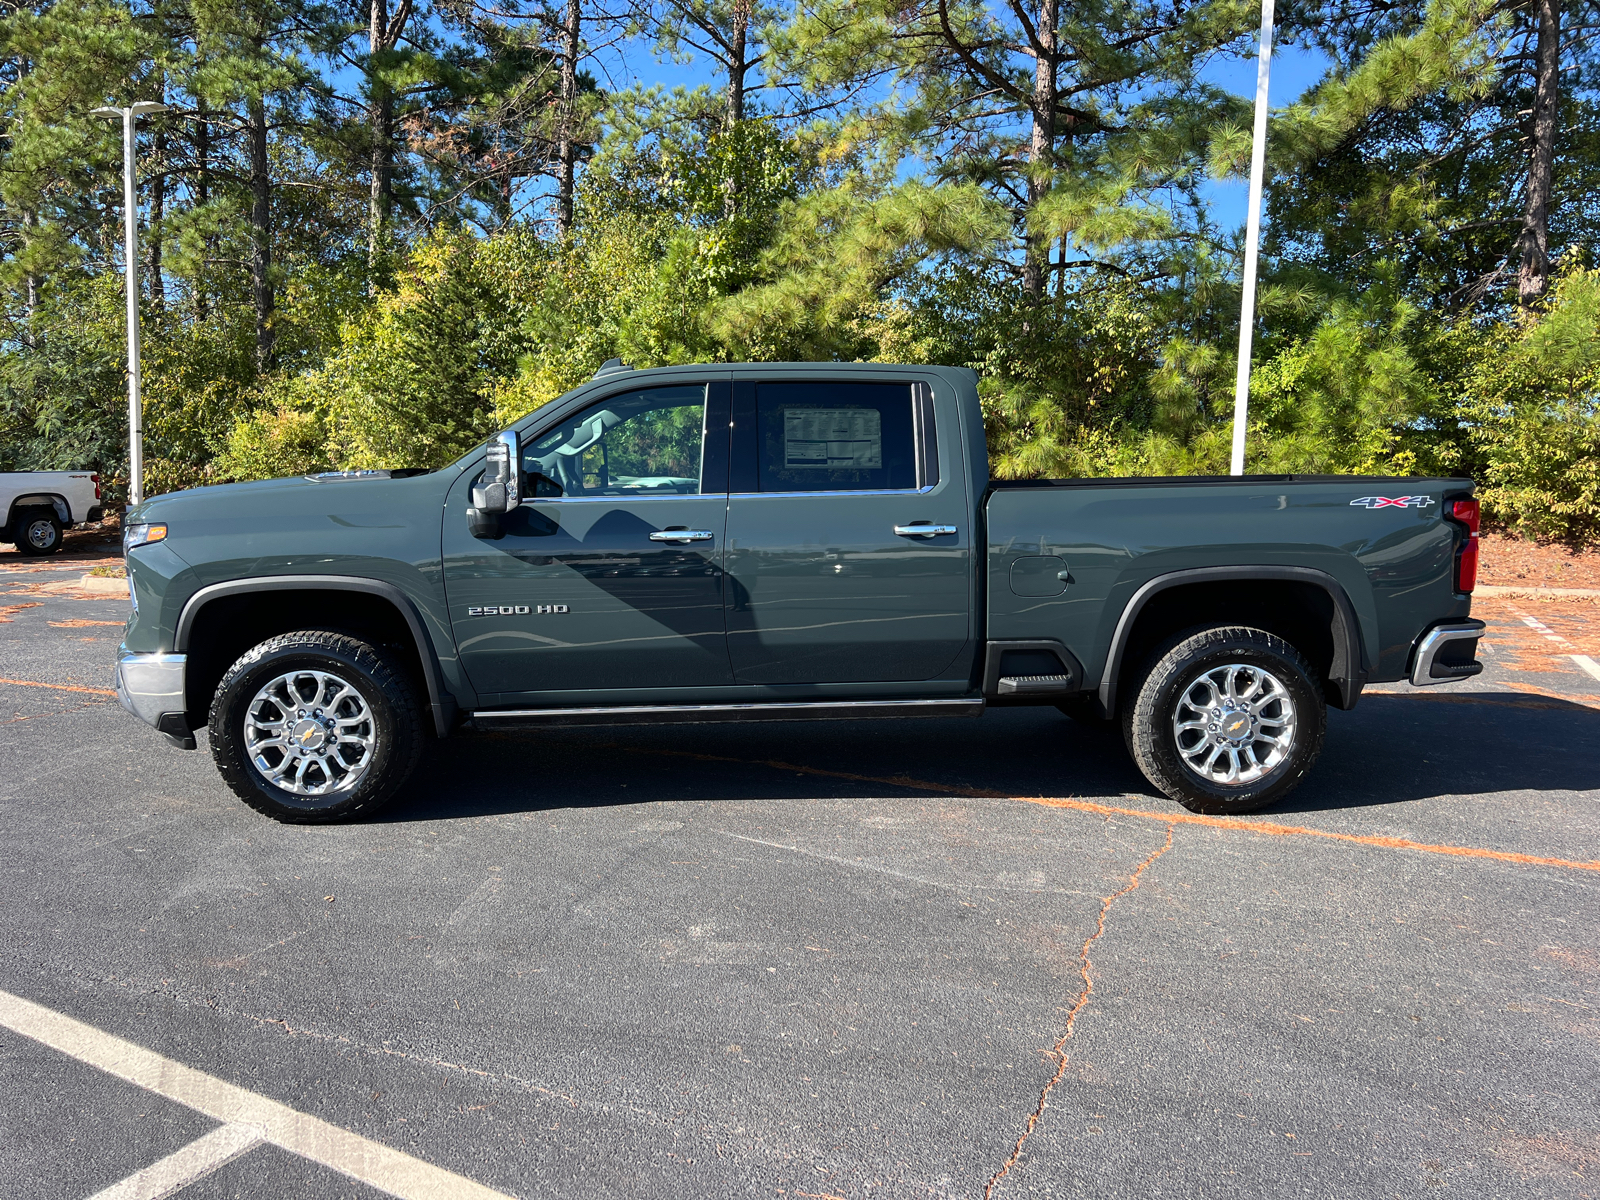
x=310 y=733
x=1234 y=725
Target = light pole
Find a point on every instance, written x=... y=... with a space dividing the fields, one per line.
x=130 y=249
x=1252 y=241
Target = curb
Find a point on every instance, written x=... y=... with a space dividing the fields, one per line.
x=104 y=585
x=1536 y=593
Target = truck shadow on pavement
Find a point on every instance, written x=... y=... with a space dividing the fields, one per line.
x=1391 y=749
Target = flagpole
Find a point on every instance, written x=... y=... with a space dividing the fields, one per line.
x=1252 y=241
x=130 y=254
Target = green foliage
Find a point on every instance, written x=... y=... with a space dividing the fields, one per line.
x=63 y=399
x=1344 y=400
x=274 y=443
x=882 y=190
x=1534 y=403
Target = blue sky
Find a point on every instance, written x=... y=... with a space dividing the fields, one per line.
x=1294 y=71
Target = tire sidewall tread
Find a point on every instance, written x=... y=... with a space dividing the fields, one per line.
x=19 y=532
x=1147 y=720
x=385 y=685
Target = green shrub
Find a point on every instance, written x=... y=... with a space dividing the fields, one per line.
x=1534 y=405
x=275 y=444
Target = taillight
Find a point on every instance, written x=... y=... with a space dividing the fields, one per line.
x=1466 y=512
x=95 y=479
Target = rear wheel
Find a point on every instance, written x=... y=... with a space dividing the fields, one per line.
x=37 y=531
x=314 y=726
x=1226 y=720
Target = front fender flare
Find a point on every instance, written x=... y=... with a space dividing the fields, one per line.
x=440 y=701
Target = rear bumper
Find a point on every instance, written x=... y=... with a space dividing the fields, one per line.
x=150 y=686
x=1447 y=652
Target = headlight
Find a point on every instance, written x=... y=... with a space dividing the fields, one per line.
x=142 y=535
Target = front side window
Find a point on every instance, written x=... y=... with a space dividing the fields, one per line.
x=644 y=443
x=835 y=437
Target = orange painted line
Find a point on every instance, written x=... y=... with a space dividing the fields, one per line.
x=1534 y=691
x=60 y=687
x=1237 y=824
x=1085 y=966
x=1558 y=702
x=1274 y=829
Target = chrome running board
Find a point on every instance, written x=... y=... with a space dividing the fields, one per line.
x=688 y=714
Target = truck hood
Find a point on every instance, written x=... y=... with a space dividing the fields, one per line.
x=264 y=495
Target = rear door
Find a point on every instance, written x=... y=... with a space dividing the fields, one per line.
x=615 y=583
x=848 y=556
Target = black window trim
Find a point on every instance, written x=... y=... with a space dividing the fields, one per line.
x=744 y=454
x=714 y=452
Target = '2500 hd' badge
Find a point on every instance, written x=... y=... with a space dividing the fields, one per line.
x=515 y=610
x=1393 y=502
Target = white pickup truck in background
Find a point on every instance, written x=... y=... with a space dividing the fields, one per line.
x=37 y=507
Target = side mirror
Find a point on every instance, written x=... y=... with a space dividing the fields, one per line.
x=499 y=491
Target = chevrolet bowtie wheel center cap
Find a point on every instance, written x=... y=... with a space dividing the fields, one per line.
x=309 y=734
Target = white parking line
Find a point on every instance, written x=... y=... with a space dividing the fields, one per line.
x=1583 y=660
x=350 y=1154
x=182 y=1167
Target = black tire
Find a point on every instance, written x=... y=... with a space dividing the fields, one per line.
x=383 y=733
x=37 y=532
x=1083 y=709
x=1171 y=685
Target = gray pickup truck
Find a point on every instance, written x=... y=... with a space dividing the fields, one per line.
x=779 y=542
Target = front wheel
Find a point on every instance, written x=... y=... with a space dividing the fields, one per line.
x=1227 y=720
x=315 y=726
x=38 y=531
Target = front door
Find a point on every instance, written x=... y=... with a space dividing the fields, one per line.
x=616 y=582
x=849 y=558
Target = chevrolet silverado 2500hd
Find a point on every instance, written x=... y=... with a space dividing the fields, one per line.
x=779 y=542
x=36 y=507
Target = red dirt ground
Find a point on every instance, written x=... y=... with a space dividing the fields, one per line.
x=1511 y=562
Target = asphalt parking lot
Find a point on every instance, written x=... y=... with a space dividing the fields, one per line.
x=926 y=958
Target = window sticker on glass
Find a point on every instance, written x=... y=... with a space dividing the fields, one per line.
x=832 y=438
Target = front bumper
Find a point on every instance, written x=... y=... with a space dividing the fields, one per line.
x=150 y=686
x=1447 y=652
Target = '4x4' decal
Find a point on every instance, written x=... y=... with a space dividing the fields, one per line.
x=1393 y=502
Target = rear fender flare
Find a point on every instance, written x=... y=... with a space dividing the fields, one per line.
x=1347 y=672
x=40 y=500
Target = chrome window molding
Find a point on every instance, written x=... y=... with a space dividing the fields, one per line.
x=921 y=491
x=624 y=497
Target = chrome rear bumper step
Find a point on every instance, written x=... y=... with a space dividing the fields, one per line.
x=689 y=714
x=1447 y=652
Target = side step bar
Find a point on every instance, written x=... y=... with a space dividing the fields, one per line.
x=690 y=714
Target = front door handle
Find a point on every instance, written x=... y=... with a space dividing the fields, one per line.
x=923 y=530
x=681 y=535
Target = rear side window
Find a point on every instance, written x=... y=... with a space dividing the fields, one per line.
x=835 y=437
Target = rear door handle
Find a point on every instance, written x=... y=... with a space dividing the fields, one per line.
x=681 y=535
x=923 y=530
